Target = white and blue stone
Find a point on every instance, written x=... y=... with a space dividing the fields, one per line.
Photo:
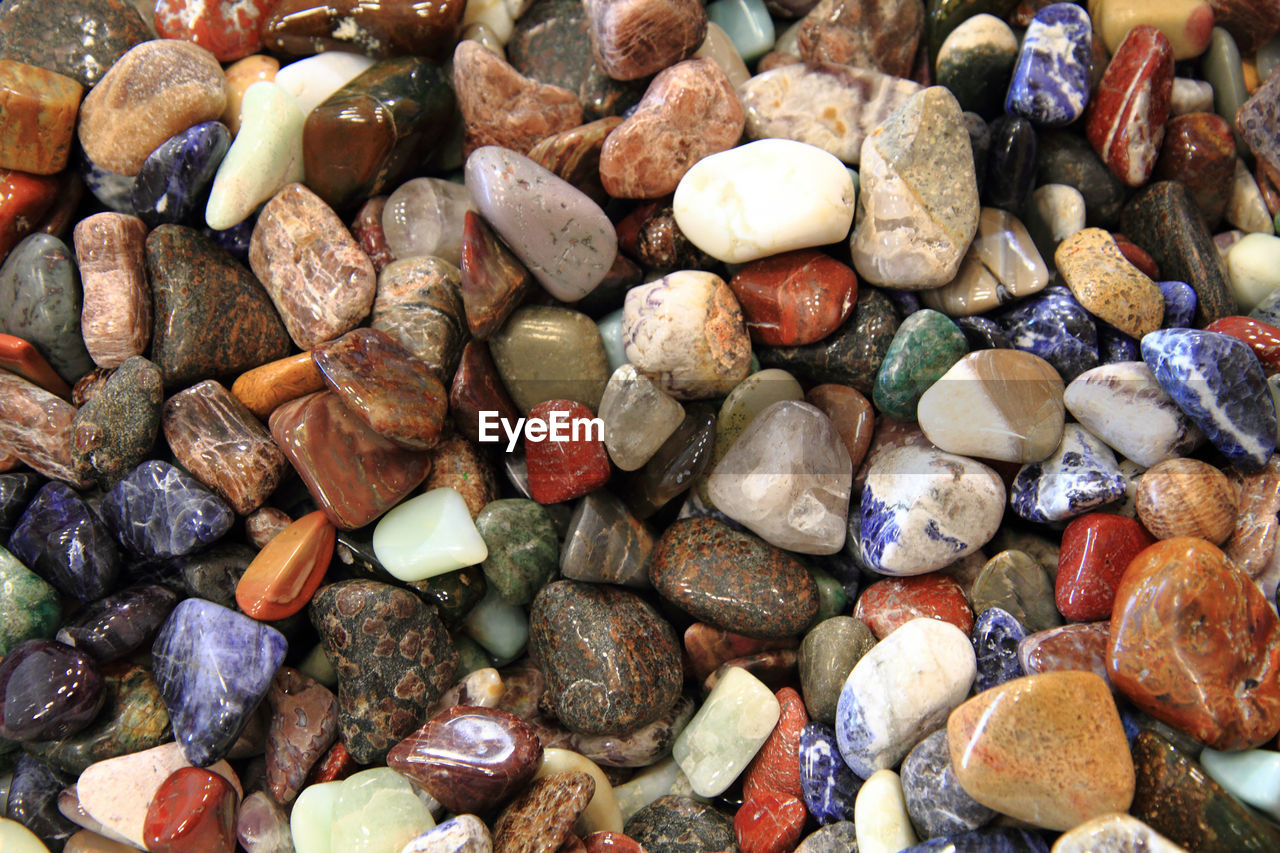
x=1180 y=304
x=996 y=636
x=1217 y=380
x=1053 y=75
x=113 y=190
x=936 y=802
x=173 y=178
x=1082 y=473
x=158 y=511
x=1000 y=839
x=828 y=785
x=1054 y=326
x=1114 y=346
x=60 y=539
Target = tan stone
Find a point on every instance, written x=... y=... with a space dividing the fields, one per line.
x=1107 y=285
x=502 y=107
x=635 y=38
x=1002 y=264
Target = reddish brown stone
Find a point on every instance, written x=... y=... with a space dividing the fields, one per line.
x=1096 y=550
x=418 y=304
x=1126 y=119
x=689 y=111
x=288 y=570
x=387 y=387
x=502 y=107
x=1137 y=256
x=1262 y=338
x=304 y=724
x=21 y=357
x=564 y=470
x=377 y=28
x=541 y=819
x=610 y=842
x=635 y=38
x=193 y=809
x=776 y=766
x=39 y=109
x=1195 y=644
x=889 y=604
x=37 y=428
x=1250 y=22
x=354 y=474
x=336 y=765
x=776 y=669
x=795 y=298
x=708 y=647
x=24 y=201
x=1253 y=542
x=478 y=388
x=1080 y=645
x=1200 y=152
x=660 y=244
x=850 y=413
x=264 y=525
x=769 y=822
x=574 y=155
x=864 y=33
x=366 y=227
x=115 y=320
x=89 y=385
x=456 y=462
x=494 y=282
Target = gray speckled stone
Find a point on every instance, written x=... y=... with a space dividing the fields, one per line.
x=1015 y=582
x=833 y=838
x=115 y=430
x=680 y=825
x=40 y=300
x=827 y=656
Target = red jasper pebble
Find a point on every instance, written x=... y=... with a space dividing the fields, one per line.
x=336 y=765
x=568 y=469
x=193 y=811
x=1096 y=549
x=794 y=298
x=776 y=766
x=610 y=842
x=24 y=201
x=769 y=822
x=1127 y=114
x=891 y=603
x=1136 y=255
x=1262 y=338
x=229 y=29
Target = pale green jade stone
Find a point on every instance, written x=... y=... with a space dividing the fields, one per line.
x=377 y=812
x=428 y=536
x=16 y=838
x=265 y=156
x=652 y=782
x=610 y=326
x=1252 y=776
x=727 y=732
x=312 y=817
x=499 y=626
x=317 y=665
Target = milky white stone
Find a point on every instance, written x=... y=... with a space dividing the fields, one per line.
x=1123 y=405
x=311 y=81
x=265 y=156
x=1252 y=776
x=16 y=838
x=638 y=417
x=1114 y=832
x=1246 y=208
x=902 y=690
x=426 y=216
x=311 y=820
x=766 y=197
x=1056 y=212
x=428 y=536
x=727 y=732
x=601 y=813
x=1190 y=96
x=1253 y=266
x=880 y=817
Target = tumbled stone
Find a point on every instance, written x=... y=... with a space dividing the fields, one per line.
x=418 y=304
x=1255 y=121
x=117 y=625
x=794 y=298
x=829 y=786
x=30 y=609
x=1123 y=405
x=975 y=61
x=192 y=808
x=1199 y=153
x=54 y=39
x=1113 y=832
x=1187 y=497
x=888 y=604
x=996 y=638
x=62 y=539
x=925 y=347
x=174 y=177
x=48 y=690
x=729 y=729
x=115 y=431
x=865 y=35
x=501 y=107
x=425 y=216
x=935 y=800
x=567 y=466
x=493 y=282
x=833 y=838
x=549 y=352
x=680 y=824
x=1001 y=264
x=1096 y=550
x=41 y=292
x=458 y=464
x=638 y=417
x=159 y=511
x=376 y=809
x=523 y=548
x=1080 y=475
x=1051 y=80
x=827 y=655
x=262 y=825
x=40 y=109
x=18 y=356
x=1015 y=582
x=769 y=821
x=631 y=40
x=264 y=388
x=115 y=319
x=288 y=569
x=1126 y=118
x=542 y=817
x=228 y=30
x=1107 y=285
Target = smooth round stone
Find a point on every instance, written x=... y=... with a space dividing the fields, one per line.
x=1195 y=644
x=310 y=81
x=881 y=819
x=762 y=198
x=47 y=690
x=680 y=824
x=462 y=834
x=1080 y=475
x=1187 y=497
x=686 y=332
x=900 y=690
x=311 y=819
x=1002 y=264
x=523 y=548
x=729 y=729
x=828 y=654
x=427 y=536
x=377 y=810
x=996 y=404
x=425 y=216
x=888 y=604
x=288 y=570
x=1179 y=303
x=743 y=404
x=975 y=61
x=926 y=346
x=923 y=509
x=794 y=298
x=852 y=354
x=1123 y=405
x=1107 y=285
x=1075 y=646
x=1047 y=749
x=1055 y=212
x=192 y=809
x=1015 y=582
x=638 y=417
x=1113 y=833
x=1251 y=269
x=1096 y=550
x=41 y=297
x=935 y=800
x=545 y=352
x=175 y=175
x=1050 y=84
x=1251 y=776
x=17 y=838
x=265 y=156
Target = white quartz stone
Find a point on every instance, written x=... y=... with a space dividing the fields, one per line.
x=902 y=690
x=1253 y=268
x=1252 y=776
x=1055 y=213
x=638 y=417
x=312 y=80
x=428 y=535
x=766 y=197
x=1122 y=404
x=602 y=813
x=16 y=838
x=1190 y=96
x=1246 y=208
x=1114 y=833
x=880 y=816
x=425 y=217
x=265 y=156
x=727 y=732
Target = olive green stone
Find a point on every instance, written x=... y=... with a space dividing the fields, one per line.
x=1016 y=582
x=29 y=607
x=832 y=599
x=1042 y=548
x=828 y=654
x=926 y=345
x=544 y=352
x=524 y=552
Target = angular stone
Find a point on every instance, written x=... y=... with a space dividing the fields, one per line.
x=1187 y=497
x=500 y=107
x=493 y=283
x=158 y=511
x=571 y=465
x=888 y=604
x=1080 y=475
x=638 y=417
x=418 y=304
x=1112 y=400
x=863 y=34
x=264 y=388
x=605 y=543
x=542 y=817
x=630 y=40
x=304 y=724
x=115 y=430
x=427 y=536
x=62 y=539
x=729 y=729
x=477 y=388
x=41 y=294
x=393 y=656
x=1001 y=264
x=48 y=690
x=40 y=108
x=1051 y=80
x=794 y=298
x=287 y=571
x=115 y=319
x=30 y=610
x=192 y=809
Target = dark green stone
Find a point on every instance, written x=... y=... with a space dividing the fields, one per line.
x=78 y=38
x=454 y=593
x=1015 y=582
x=29 y=607
x=40 y=301
x=115 y=430
x=926 y=345
x=832 y=599
x=943 y=16
x=978 y=77
x=524 y=552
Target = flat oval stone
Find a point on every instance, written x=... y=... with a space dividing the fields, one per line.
x=1223 y=694
x=631 y=40
x=729 y=729
x=828 y=654
x=1080 y=475
x=1107 y=285
x=611 y=678
x=1015 y=582
x=732 y=580
x=900 y=690
x=1051 y=80
x=560 y=234
x=888 y=604
x=1048 y=749
x=266 y=387
x=193 y=808
x=719 y=201
x=1112 y=400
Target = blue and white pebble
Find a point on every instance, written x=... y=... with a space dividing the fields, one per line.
x=1217 y=380
x=1053 y=74
x=1054 y=326
x=900 y=691
x=1001 y=839
x=174 y=176
x=829 y=787
x=996 y=635
x=936 y=802
x=1179 y=304
x=1082 y=473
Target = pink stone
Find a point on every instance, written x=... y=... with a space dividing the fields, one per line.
x=115 y=319
x=635 y=38
x=1080 y=645
x=36 y=427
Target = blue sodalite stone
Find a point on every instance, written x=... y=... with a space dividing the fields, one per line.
x=829 y=786
x=1052 y=77
x=1003 y=839
x=905 y=303
x=113 y=190
x=16 y=491
x=983 y=333
x=60 y=539
x=1115 y=346
x=158 y=511
x=234 y=240
x=213 y=666
x=33 y=801
x=935 y=801
x=1054 y=326
x=1180 y=304
x=1217 y=380
x=996 y=635
x=1081 y=474
x=1011 y=164
x=171 y=181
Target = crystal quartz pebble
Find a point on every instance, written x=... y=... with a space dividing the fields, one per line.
x=1107 y=285
x=638 y=417
x=1217 y=381
x=631 y=39
x=1001 y=264
x=1126 y=119
x=1123 y=405
x=900 y=690
x=265 y=157
x=1187 y=497
x=1046 y=749
x=923 y=509
x=158 y=511
x=428 y=535
x=1051 y=80
x=425 y=216
x=729 y=729
x=288 y=570
x=559 y=233
x=797 y=498
x=762 y=198
x=1081 y=474
x=115 y=319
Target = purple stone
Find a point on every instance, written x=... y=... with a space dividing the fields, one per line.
x=62 y=540
x=1180 y=305
x=235 y=240
x=996 y=635
x=1115 y=346
x=47 y=691
x=169 y=186
x=33 y=801
x=158 y=511
x=828 y=785
x=119 y=624
x=16 y=491
x=935 y=801
x=213 y=666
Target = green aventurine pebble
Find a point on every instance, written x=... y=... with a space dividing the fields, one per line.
x=524 y=551
x=926 y=345
x=29 y=607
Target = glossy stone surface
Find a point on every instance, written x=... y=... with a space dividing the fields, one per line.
x=1051 y=79
x=1096 y=550
x=542 y=817
x=117 y=625
x=611 y=662
x=769 y=821
x=634 y=40
x=638 y=417
x=729 y=729
x=1055 y=327
x=494 y=281
x=828 y=654
x=393 y=657
x=115 y=319
x=1123 y=405
x=1126 y=119
x=264 y=388
x=794 y=298
x=1187 y=497
x=32 y=798
x=174 y=177
x=560 y=470
x=418 y=304
x=304 y=724
x=935 y=800
x=158 y=511
x=1001 y=264
x=523 y=546
x=41 y=290
x=61 y=539
x=888 y=604
x=1081 y=474
x=29 y=609
x=377 y=809
x=192 y=808
x=288 y=569
x=213 y=666
x=828 y=784
x=47 y=690
x=926 y=346
x=427 y=536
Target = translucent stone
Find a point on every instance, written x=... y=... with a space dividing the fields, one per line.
x=726 y=733
x=428 y=536
x=375 y=811
x=610 y=326
x=425 y=216
x=638 y=416
x=312 y=818
x=605 y=543
x=500 y=627
x=880 y=815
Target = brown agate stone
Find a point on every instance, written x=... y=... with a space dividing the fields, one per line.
x=477 y=388
x=116 y=318
x=377 y=28
x=850 y=413
x=877 y=34
x=494 y=281
x=36 y=428
x=635 y=38
x=502 y=107
x=1200 y=152
x=366 y=227
x=542 y=818
x=574 y=155
x=418 y=304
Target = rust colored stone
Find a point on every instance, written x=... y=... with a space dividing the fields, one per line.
x=1253 y=542
x=776 y=766
x=39 y=109
x=500 y=106
x=25 y=199
x=288 y=570
x=1200 y=152
x=478 y=388
x=21 y=357
x=494 y=281
x=265 y=388
x=850 y=413
x=795 y=298
x=631 y=39
x=864 y=33
x=115 y=319
x=707 y=648
x=89 y=385
x=368 y=231
x=458 y=463
x=541 y=819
